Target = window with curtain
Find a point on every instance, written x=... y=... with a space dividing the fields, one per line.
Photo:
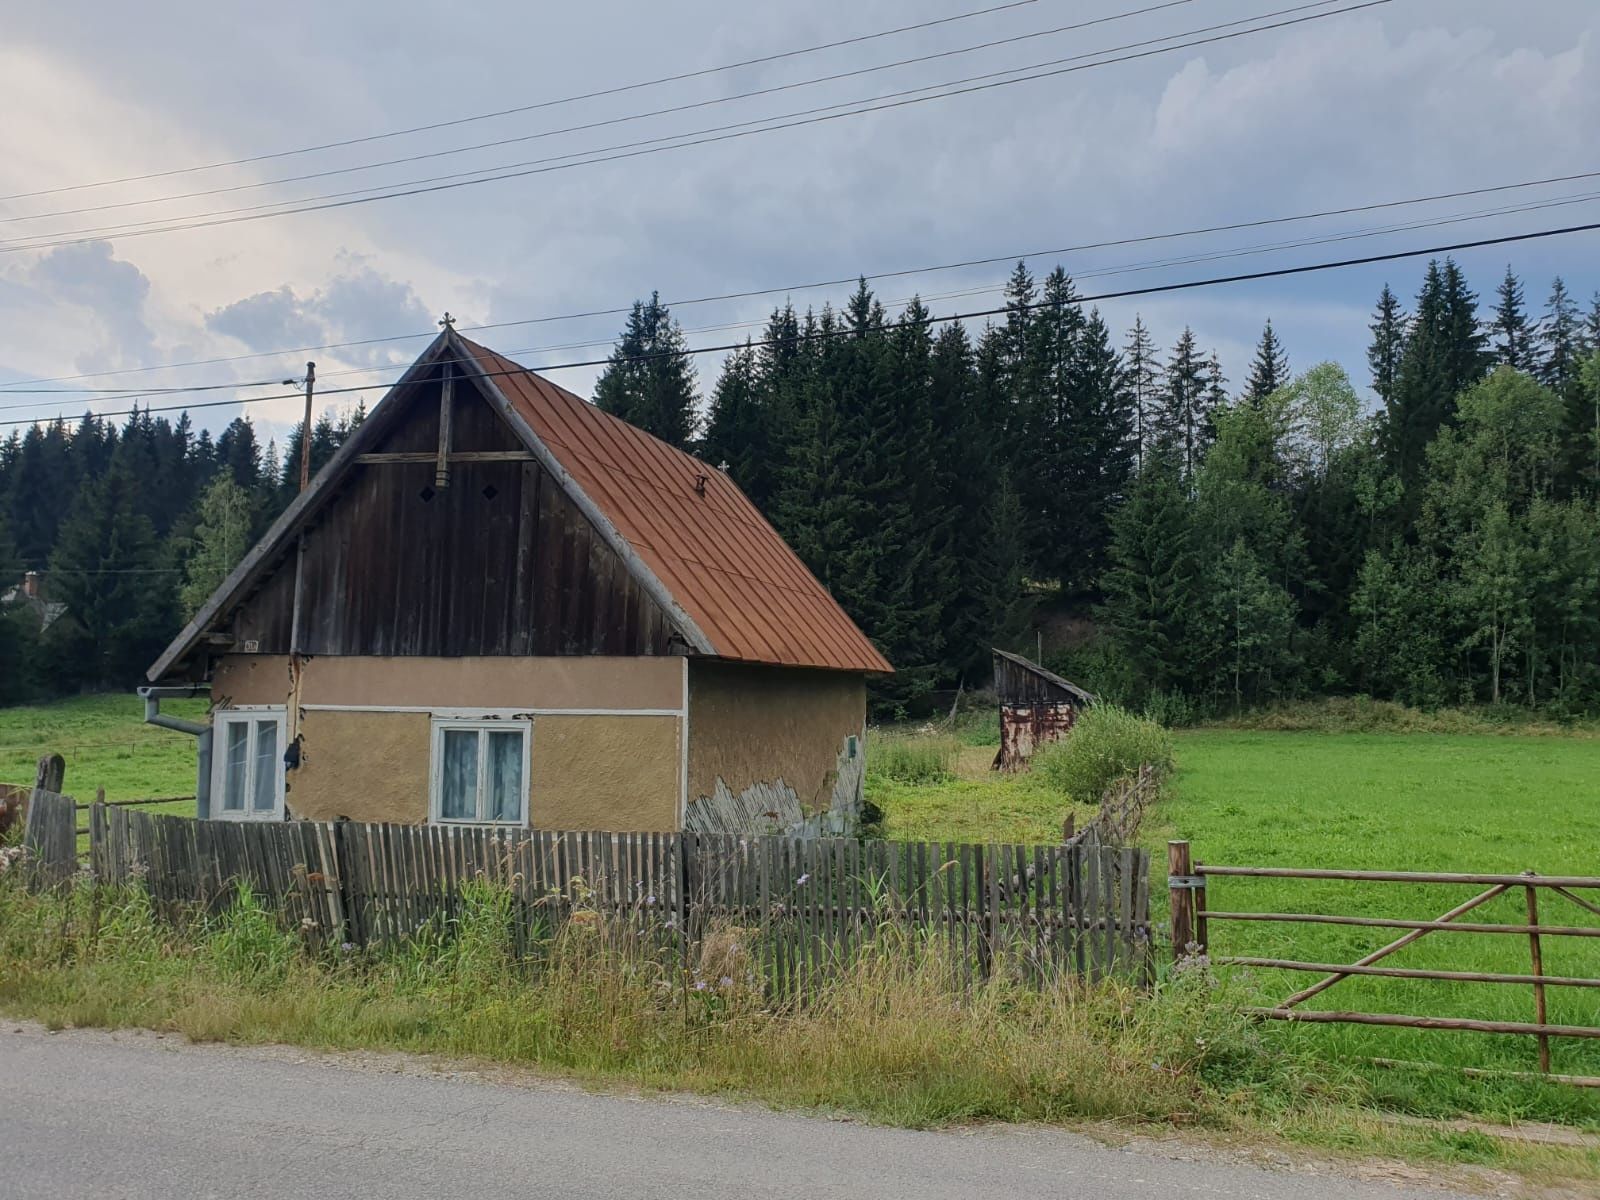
x=247 y=779
x=480 y=772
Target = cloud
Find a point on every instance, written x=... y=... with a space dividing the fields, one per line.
x=267 y=320
x=1406 y=100
x=357 y=304
x=106 y=295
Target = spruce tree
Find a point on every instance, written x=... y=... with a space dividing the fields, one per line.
x=239 y=454
x=1048 y=404
x=1216 y=387
x=1182 y=424
x=1444 y=355
x=1154 y=587
x=1560 y=343
x=964 y=527
x=1387 y=347
x=106 y=571
x=43 y=482
x=735 y=433
x=649 y=380
x=1512 y=335
x=1143 y=382
x=1270 y=369
x=1103 y=458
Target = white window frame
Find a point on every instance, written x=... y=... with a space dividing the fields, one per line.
x=436 y=769
x=220 y=721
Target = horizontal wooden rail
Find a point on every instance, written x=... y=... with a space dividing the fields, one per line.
x=1289 y=964
x=1550 y=881
x=81 y=830
x=138 y=803
x=1396 y=923
x=1410 y=1022
x=1583 y=1081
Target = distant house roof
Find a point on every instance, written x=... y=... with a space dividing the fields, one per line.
x=694 y=540
x=1039 y=676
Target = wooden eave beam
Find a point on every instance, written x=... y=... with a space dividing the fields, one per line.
x=412 y=457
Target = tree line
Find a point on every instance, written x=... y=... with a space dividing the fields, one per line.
x=1233 y=546
x=130 y=528
x=1212 y=546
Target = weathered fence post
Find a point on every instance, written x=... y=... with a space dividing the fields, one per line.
x=1186 y=893
x=1536 y=953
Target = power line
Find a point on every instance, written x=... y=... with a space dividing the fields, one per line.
x=1079 y=276
x=127 y=392
x=598 y=154
x=505 y=112
x=622 y=120
x=1258 y=223
x=450 y=183
x=1127 y=293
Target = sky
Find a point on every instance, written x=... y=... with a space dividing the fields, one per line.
x=1397 y=100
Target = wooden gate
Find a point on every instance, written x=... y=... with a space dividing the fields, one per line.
x=1192 y=916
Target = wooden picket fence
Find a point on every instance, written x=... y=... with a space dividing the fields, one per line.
x=803 y=906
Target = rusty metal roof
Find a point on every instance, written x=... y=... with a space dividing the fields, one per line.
x=714 y=553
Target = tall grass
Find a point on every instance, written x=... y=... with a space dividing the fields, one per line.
x=921 y=757
x=890 y=1037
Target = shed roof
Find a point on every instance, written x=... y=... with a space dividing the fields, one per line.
x=1049 y=677
x=730 y=583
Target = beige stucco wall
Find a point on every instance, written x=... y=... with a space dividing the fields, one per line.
x=586 y=771
x=573 y=682
x=613 y=773
x=367 y=766
x=629 y=767
x=754 y=724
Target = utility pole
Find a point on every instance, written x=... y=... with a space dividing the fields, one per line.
x=310 y=382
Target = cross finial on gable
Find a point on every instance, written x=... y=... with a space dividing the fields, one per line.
x=447 y=322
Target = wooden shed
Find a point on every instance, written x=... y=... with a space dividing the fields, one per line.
x=499 y=605
x=1036 y=706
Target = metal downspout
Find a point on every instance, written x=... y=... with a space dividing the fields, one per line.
x=153 y=696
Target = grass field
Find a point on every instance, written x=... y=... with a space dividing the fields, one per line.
x=1471 y=802
x=1420 y=802
x=106 y=744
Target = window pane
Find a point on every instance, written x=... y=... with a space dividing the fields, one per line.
x=264 y=787
x=236 y=748
x=458 y=776
x=504 y=801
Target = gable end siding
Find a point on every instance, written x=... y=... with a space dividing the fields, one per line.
x=500 y=562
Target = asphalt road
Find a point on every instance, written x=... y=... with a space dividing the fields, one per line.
x=85 y=1114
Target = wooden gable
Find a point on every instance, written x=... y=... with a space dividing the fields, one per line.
x=498 y=561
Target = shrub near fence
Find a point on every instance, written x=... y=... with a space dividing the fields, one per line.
x=803 y=906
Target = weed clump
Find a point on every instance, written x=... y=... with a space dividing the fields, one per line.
x=1106 y=744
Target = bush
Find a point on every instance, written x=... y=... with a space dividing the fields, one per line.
x=1106 y=744
x=1170 y=708
x=913 y=758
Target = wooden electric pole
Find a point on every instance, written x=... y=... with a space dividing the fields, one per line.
x=305 y=428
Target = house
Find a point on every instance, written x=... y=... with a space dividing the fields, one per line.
x=1036 y=706
x=499 y=605
x=33 y=594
